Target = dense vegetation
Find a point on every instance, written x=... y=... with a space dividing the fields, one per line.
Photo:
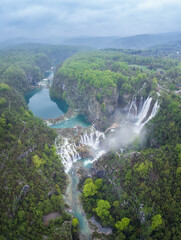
x=105 y=69
x=138 y=194
x=32 y=176
x=128 y=72
x=98 y=82
x=24 y=65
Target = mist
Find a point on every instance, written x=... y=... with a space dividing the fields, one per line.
x=131 y=130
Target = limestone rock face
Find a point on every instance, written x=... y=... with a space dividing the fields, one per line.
x=99 y=112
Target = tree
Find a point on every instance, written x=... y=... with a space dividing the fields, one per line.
x=116 y=204
x=98 y=183
x=121 y=225
x=102 y=209
x=154 y=83
x=156 y=221
x=38 y=161
x=90 y=189
x=75 y=222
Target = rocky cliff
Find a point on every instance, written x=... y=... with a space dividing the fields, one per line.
x=99 y=112
x=98 y=83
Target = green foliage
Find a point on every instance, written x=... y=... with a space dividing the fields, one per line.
x=143 y=168
x=75 y=222
x=102 y=210
x=156 y=221
x=32 y=175
x=99 y=72
x=121 y=225
x=165 y=127
x=98 y=183
x=154 y=83
x=37 y=161
x=90 y=189
x=2 y=101
x=23 y=66
x=4 y=86
x=144 y=184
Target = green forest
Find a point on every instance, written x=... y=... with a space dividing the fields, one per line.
x=137 y=194
x=106 y=69
x=32 y=176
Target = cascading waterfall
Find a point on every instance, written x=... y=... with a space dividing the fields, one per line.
x=153 y=113
x=68 y=149
x=144 y=116
x=144 y=111
x=68 y=153
x=92 y=138
x=133 y=110
x=140 y=105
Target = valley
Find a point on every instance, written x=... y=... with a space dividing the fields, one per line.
x=100 y=149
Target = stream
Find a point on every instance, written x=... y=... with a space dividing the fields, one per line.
x=79 y=144
x=43 y=106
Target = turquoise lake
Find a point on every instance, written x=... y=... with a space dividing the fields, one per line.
x=42 y=105
x=79 y=120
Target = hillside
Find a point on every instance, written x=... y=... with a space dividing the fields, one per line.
x=32 y=176
x=137 y=193
x=129 y=190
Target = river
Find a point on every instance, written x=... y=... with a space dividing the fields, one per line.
x=75 y=133
x=45 y=107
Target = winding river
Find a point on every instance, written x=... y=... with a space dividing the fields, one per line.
x=45 y=107
x=75 y=132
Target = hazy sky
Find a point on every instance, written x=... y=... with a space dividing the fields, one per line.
x=67 y=18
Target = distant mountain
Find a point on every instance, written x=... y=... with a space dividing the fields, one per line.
x=21 y=40
x=145 y=40
x=142 y=41
x=94 y=42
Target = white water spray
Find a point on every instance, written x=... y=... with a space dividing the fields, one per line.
x=145 y=115
x=68 y=153
x=92 y=139
x=67 y=149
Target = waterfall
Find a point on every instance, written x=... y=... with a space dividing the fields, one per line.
x=153 y=113
x=92 y=138
x=67 y=149
x=68 y=153
x=133 y=110
x=144 y=111
x=98 y=155
x=140 y=105
x=144 y=115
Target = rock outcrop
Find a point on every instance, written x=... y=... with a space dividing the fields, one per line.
x=99 y=113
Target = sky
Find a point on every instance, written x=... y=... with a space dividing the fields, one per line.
x=45 y=19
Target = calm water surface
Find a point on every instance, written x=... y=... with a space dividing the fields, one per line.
x=79 y=120
x=43 y=106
